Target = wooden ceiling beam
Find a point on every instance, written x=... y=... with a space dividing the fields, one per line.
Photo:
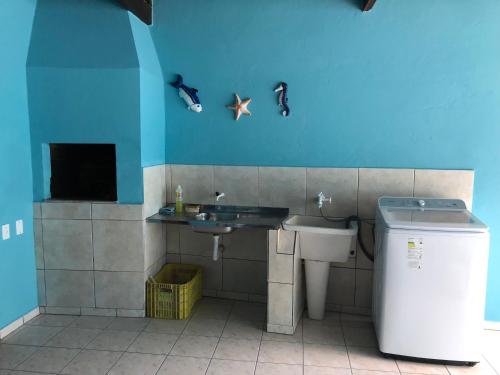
x=369 y=5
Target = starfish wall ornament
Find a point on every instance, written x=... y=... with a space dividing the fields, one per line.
x=240 y=107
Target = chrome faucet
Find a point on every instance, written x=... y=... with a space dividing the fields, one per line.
x=322 y=198
x=219 y=196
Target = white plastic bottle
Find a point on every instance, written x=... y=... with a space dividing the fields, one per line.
x=179 y=200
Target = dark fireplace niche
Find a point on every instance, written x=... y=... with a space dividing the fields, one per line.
x=83 y=172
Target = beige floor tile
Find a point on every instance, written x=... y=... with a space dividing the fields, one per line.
x=331 y=318
x=360 y=336
x=72 y=337
x=210 y=309
x=296 y=337
x=315 y=370
x=13 y=355
x=237 y=349
x=317 y=333
x=32 y=335
x=97 y=322
x=205 y=327
x=51 y=360
x=136 y=363
x=52 y=320
x=195 y=346
x=421 y=368
x=370 y=359
x=153 y=343
x=226 y=367
x=113 y=340
x=369 y=372
x=243 y=329
x=281 y=352
x=129 y=324
x=249 y=311
x=325 y=355
x=175 y=365
x=166 y=326
x=277 y=369
x=91 y=362
x=482 y=368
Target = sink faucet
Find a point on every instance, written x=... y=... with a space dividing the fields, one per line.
x=322 y=198
x=219 y=196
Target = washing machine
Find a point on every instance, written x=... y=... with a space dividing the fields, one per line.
x=430 y=269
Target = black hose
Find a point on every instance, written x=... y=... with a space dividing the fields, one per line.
x=348 y=221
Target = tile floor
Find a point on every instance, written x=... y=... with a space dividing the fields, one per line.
x=221 y=338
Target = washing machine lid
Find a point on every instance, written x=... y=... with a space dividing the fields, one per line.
x=429 y=214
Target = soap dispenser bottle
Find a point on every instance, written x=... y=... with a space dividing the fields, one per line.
x=179 y=200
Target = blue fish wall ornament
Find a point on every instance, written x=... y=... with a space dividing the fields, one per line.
x=283 y=98
x=189 y=95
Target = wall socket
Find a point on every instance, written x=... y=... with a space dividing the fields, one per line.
x=19 y=227
x=5 y=232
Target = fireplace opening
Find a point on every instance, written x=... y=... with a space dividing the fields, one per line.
x=83 y=172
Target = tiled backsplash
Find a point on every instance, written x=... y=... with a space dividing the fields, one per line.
x=354 y=191
x=93 y=258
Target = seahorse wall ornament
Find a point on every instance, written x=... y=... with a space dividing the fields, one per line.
x=188 y=94
x=283 y=98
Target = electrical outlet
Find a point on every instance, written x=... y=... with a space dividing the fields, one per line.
x=19 y=227
x=5 y=231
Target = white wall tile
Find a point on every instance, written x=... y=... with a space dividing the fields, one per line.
x=283 y=187
x=67 y=244
x=248 y=244
x=154 y=189
x=37 y=210
x=192 y=243
x=118 y=245
x=244 y=276
x=341 y=286
x=377 y=182
x=364 y=288
x=173 y=238
x=69 y=288
x=212 y=270
x=457 y=184
x=280 y=267
x=40 y=280
x=66 y=210
x=113 y=211
x=154 y=243
x=120 y=290
x=169 y=193
x=280 y=304
x=339 y=183
x=197 y=183
x=239 y=184
x=38 y=237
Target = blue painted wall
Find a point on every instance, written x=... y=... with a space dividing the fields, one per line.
x=152 y=96
x=84 y=86
x=94 y=77
x=410 y=84
x=17 y=256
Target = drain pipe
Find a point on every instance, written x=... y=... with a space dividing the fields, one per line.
x=215 y=256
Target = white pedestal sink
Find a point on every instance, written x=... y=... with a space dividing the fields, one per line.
x=321 y=242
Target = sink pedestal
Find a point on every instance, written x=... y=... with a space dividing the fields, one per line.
x=317 y=273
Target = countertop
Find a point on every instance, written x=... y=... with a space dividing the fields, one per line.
x=248 y=217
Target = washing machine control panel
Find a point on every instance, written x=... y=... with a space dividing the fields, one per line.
x=422 y=203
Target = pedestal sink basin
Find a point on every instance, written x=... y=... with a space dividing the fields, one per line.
x=321 y=242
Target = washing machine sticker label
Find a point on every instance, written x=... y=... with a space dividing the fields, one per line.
x=415 y=253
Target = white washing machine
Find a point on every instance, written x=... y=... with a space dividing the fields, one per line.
x=431 y=258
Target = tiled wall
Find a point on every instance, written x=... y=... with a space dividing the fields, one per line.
x=354 y=191
x=93 y=258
